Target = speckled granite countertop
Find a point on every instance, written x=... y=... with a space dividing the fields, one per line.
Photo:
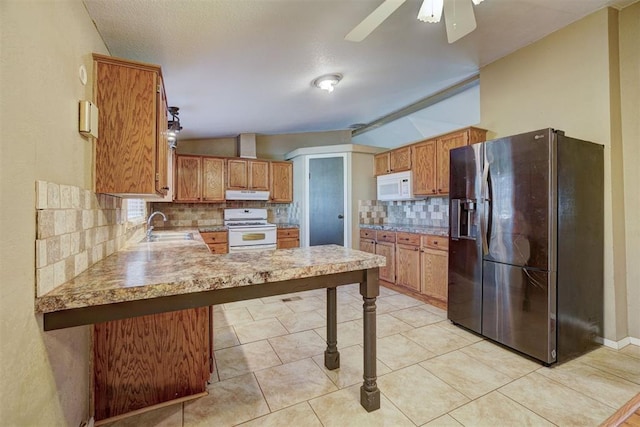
x=149 y=270
x=407 y=228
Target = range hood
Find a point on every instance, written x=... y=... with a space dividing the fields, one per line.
x=246 y=145
x=246 y=195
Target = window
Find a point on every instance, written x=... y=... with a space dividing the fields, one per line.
x=136 y=209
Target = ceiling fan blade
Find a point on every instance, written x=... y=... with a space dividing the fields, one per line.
x=459 y=19
x=375 y=18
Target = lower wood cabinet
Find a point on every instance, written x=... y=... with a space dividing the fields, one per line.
x=147 y=360
x=417 y=264
x=288 y=238
x=217 y=241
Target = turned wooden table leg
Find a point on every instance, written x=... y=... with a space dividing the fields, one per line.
x=331 y=354
x=369 y=392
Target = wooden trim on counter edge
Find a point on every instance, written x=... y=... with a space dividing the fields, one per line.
x=150 y=408
x=127 y=309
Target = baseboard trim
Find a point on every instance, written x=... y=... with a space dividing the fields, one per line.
x=618 y=345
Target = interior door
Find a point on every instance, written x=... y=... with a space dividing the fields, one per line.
x=326 y=201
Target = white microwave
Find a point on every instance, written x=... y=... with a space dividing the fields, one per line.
x=395 y=186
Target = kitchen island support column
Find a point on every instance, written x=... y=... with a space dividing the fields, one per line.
x=369 y=392
x=331 y=354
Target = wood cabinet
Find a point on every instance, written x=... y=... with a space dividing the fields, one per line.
x=199 y=178
x=288 y=238
x=424 y=168
x=188 y=178
x=148 y=360
x=434 y=265
x=428 y=160
x=217 y=241
x=212 y=179
x=397 y=160
x=247 y=174
x=281 y=187
x=417 y=264
x=131 y=149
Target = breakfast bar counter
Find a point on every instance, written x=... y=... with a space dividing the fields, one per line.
x=163 y=276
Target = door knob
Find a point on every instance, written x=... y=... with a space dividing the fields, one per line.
x=340 y=216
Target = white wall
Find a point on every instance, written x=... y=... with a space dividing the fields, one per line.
x=570 y=80
x=45 y=375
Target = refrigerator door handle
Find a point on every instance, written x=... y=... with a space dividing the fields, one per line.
x=486 y=208
x=455 y=217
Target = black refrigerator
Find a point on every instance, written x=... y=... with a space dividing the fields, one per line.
x=526 y=243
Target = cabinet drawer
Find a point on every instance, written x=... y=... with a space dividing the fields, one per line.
x=214 y=237
x=408 y=239
x=435 y=242
x=218 y=248
x=288 y=233
x=386 y=236
x=366 y=233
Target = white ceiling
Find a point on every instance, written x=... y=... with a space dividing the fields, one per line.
x=236 y=66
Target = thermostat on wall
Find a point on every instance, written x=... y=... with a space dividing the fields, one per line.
x=88 y=125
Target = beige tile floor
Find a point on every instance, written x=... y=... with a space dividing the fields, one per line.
x=270 y=372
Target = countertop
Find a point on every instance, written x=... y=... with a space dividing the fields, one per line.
x=408 y=228
x=147 y=270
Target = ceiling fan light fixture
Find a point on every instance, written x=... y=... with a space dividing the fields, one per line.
x=327 y=82
x=431 y=11
x=477 y=2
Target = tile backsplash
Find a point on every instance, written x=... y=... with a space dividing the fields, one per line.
x=429 y=212
x=75 y=228
x=210 y=214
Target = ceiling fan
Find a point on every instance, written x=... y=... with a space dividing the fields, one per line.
x=459 y=17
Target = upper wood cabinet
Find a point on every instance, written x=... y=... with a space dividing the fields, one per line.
x=247 y=174
x=281 y=182
x=397 y=160
x=188 y=182
x=212 y=179
x=424 y=168
x=131 y=150
x=430 y=160
x=199 y=179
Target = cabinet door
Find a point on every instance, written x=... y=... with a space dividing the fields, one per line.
x=162 y=147
x=408 y=266
x=147 y=360
x=381 y=164
x=126 y=146
x=388 y=250
x=367 y=245
x=258 y=175
x=237 y=174
x=400 y=159
x=424 y=168
x=445 y=144
x=212 y=179
x=188 y=174
x=434 y=273
x=281 y=182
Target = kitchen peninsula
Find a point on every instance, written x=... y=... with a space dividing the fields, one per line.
x=177 y=274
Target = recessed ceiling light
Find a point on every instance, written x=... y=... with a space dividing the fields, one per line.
x=327 y=82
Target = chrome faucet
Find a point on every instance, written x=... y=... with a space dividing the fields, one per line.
x=149 y=226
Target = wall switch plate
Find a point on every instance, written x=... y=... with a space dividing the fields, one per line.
x=88 y=123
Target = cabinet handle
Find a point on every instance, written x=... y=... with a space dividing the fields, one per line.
x=435 y=242
x=416 y=249
x=165 y=188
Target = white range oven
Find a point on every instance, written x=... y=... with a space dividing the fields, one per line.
x=249 y=230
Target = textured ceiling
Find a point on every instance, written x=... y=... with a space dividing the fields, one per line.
x=237 y=66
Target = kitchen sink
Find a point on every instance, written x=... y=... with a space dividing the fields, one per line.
x=168 y=237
